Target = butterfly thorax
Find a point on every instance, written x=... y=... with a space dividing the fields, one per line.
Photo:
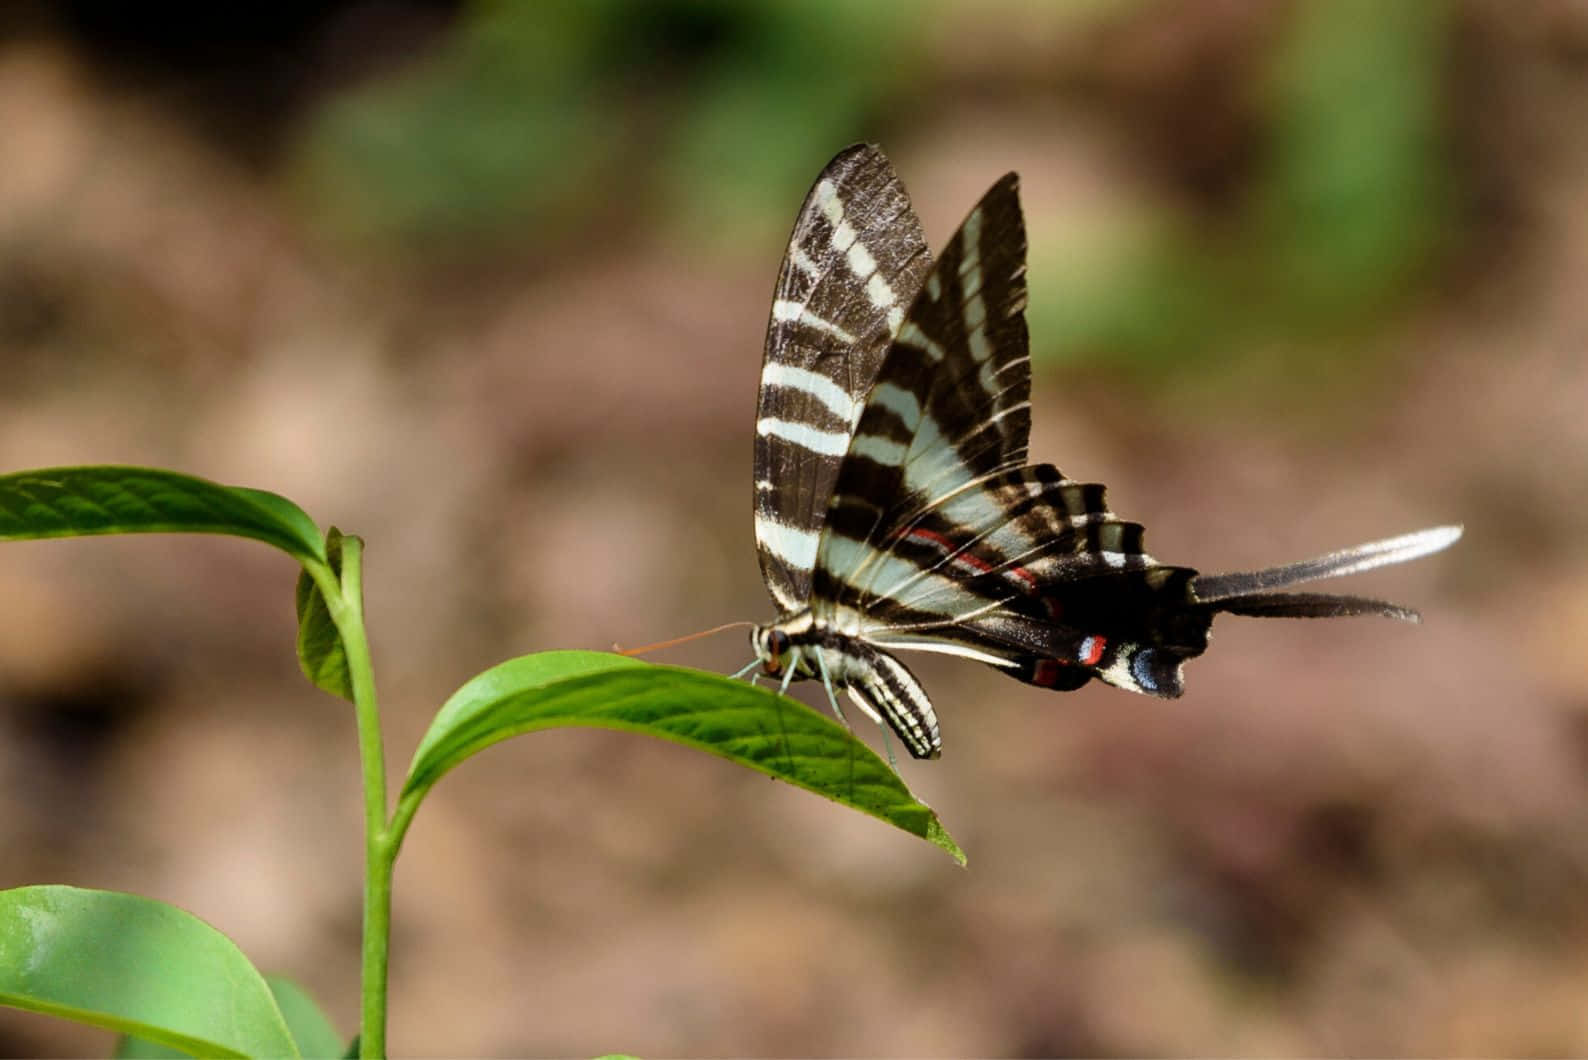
x=806 y=646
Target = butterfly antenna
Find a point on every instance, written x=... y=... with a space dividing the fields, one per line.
x=659 y=645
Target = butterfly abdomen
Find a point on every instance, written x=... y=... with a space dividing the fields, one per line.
x=1133 y=630
x=887 y=691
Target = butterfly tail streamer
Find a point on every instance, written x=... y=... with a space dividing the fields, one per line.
x=1256 y=593
x=1313 y=605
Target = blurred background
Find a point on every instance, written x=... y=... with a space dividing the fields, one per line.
x=487 y=283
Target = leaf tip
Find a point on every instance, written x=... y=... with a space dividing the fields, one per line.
x=938 y=835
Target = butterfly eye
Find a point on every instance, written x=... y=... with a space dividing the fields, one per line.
x=778 y=643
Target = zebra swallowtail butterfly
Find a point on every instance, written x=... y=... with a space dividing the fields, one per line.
x=894 y=508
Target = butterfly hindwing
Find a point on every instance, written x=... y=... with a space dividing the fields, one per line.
x=856 y=258
x=1030 y=571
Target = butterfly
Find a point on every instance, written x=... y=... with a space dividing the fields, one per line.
x=895 y=509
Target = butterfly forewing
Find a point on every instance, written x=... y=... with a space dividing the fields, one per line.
x=951 y=399
x=856 y=258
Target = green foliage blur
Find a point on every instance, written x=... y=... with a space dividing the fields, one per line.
x=1343 y=209
x=722 y=110
x=532 y=120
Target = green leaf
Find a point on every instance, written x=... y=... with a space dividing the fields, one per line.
x=311 y=1028
x=778 y=736
x=138 y=966
x=132 y=1047
x=320 y=650
x=68 y=501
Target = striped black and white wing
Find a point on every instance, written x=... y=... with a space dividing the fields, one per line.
x=855 y=260
x=894 y=506
x=951 y=401
x=939 y=538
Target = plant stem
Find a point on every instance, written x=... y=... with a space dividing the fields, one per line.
x=346 y=606
x=402 y=817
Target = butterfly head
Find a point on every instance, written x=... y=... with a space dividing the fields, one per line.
x=774 y=647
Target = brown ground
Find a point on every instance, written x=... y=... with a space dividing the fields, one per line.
x=1353 y=837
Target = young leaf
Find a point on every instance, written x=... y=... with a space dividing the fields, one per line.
x=68 y=501
x=320 y=651
x=311 y=1028
x=138 y=966
x=778 y=736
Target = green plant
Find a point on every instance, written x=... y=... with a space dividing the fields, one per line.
x=165 y=979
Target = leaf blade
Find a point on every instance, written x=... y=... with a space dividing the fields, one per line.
x=137 y=966
x=110 y=499
x=754 y=727
x=321 y=654
x=311 y=1028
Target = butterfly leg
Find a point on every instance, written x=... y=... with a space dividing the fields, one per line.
x=747 y=670
x=887 y=745
x=827 y=683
